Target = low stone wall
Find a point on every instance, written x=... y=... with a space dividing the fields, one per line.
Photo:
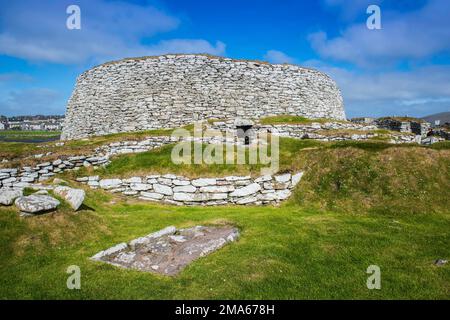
x=124 y=147
x=204 y=191
x=23 y=177
x=416 y=127
x=318 y=131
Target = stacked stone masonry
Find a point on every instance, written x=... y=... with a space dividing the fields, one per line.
x=172 y=189
x=174 y=90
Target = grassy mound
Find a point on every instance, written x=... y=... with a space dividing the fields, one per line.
x=391 y=180
x=349 y=176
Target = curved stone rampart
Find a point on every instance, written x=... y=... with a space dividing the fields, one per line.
x=174 y=90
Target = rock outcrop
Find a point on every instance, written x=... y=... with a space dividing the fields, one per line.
x=36 y=203
x=74 y=197
x=7 y=196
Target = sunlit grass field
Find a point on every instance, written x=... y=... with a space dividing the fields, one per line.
x=358 y=204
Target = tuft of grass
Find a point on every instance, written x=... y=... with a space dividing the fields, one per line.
x=443 y=145
x=369 y=177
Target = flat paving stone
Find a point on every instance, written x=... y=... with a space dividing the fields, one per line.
x=169 y=250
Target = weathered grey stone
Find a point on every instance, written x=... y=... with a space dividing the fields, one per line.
x=268 y=185
x=236 y=178
x=296 y=178
x=130 y=193
x=283 y=178
x=110 y=183
x=246 y=200
x=133 y=180
x=112 y=250
x=74 y=197
x=140 y=186
x=217 y=189
x=263 y=179
x=204 y=182
x=165 y=181
x=178 y=182
x=36 y=203
x=185 y=188
x=281 y=186
x=246 y=191
x=9 y=180
x=28 y=179
x=151 y=236
x=93 y=183
x=7 y=196
x=198 y=197
x=152 y=195
x=165 y=190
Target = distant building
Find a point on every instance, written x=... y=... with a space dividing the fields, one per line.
x=34 y=123
x=2 y=126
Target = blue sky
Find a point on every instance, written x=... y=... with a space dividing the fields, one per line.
x=402 y=69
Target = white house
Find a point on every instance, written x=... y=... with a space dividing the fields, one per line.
x=2 y=126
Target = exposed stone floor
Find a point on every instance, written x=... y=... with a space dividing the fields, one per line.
x=169 y=250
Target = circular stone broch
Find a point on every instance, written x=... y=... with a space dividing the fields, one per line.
x=174 y=90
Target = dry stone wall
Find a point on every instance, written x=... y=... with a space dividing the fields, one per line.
x=174 y=90
x=179 y=190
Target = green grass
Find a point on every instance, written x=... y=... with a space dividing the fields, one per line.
x=160 y=161
x=26 y=136
x=16 y=150
x=403 y=119
x=25 y=133
x=443 y=145
x=358 y=204
x=283 y=253
x=288 y=119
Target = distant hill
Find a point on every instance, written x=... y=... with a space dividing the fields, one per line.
x=443 y=116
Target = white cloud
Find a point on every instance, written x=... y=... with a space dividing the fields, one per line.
x=186 y=46
x=416 y=92
x=109 y=30
x=31 y=101
x=413 y=35
x=275 y=56
x=15 y=76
